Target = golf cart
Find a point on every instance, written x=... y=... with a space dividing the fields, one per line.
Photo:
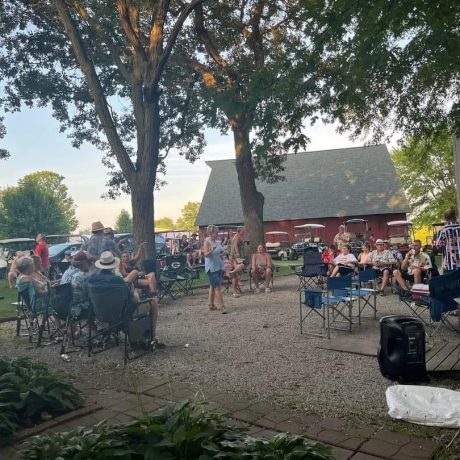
x=278 y=245
x=430 y=240
x=400 y=233
x=359 y=233
x=308 y=236
x=9 y=248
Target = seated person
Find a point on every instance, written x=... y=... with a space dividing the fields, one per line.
x=37 y=291
x=232 y=271
x=345 y=262
x=14 y=272
x=38 y=275
x=106 y=277
x=131 y=274
x=327 y=257
x=183 y=244
x=413 y=268
x=193 y=251
x=76 y=275
x=382 y=261
x=364 y=256
x=261 y=268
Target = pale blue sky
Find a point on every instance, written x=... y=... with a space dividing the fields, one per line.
x=35 y=144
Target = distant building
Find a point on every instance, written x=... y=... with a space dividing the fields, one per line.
x=325 y=187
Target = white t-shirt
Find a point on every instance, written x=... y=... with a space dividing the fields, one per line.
x=348 y=259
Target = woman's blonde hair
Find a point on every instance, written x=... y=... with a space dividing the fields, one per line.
x=211 y=229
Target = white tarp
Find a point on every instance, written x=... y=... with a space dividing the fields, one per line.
x=424 y=405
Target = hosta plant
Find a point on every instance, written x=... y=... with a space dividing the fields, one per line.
x=29 y=390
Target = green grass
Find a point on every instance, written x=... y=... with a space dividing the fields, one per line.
x=9 y=296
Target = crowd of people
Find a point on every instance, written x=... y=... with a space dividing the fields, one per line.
x=103 y=262
x=413 y=267
x=226 y=259
x=100 y=263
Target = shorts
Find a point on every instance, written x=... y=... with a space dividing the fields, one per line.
x=379 y=271
x=344 y=271
x=215 y=278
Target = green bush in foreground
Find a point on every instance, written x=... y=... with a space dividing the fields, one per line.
x=28 y=391
x=183 y=431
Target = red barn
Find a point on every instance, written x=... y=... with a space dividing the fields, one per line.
x=325 y=187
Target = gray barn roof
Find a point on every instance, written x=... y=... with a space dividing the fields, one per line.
x=327 y=183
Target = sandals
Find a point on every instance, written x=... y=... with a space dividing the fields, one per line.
x=236 y=295
x=268 y=290
x=223 y=310
x=212 y=307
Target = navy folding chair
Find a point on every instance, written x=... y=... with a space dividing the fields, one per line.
x=367 y=296
x=312 y=271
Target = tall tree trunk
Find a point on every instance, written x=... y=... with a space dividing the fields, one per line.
x=252 y=201
x=146 y=168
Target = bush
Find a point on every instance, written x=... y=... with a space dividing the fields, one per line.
x=28 y=390
x=183 y=431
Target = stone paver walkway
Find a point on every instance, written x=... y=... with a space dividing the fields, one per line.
x=151 y=394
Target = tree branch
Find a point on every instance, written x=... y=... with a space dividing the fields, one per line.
x=208 y=43
x=95 y=88
x=134 y=36
x=153 y=82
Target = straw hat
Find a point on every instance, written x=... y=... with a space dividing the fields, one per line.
x=97 y=226
x=107 y=261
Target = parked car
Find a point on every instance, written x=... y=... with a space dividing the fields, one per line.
x=10 y=247
x=57 y=253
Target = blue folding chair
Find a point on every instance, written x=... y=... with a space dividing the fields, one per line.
x=312 y=271
x=334 y=306
x=366 y=296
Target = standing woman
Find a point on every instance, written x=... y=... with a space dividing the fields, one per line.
x=214 y=267
x=237 y=251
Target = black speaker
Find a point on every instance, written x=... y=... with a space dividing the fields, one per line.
x=401 y=354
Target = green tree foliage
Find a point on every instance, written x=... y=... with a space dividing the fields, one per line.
x=3 y=153
x=53 y=183
x=426 y=170
x=104 y=67
x=188 y=217
x=165 y=223
x=388 y=64
x=31 y=208
x=257 y=85
x=124 y=223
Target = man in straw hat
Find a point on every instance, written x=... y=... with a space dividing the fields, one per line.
x=98 y=243
x=106 y=277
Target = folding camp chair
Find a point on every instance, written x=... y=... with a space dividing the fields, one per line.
x=68 y=323
x=113 y=312
x=176 y=269
x=436 y=305
x=334 y=306
x=164 y=283
x=35 y=313
x=366 y=296
x=262 y=279
x=312 y=272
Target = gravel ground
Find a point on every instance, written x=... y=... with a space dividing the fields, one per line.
x=253 y=352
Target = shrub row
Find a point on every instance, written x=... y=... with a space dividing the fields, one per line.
x=29 y=391
x=183 y=431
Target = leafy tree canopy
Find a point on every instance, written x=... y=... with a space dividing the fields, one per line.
x=388 y=65
x=124 y=223
x=53 y=183
x=188 y=217
x=164 y=223
x=426 y=170
x=32 y=207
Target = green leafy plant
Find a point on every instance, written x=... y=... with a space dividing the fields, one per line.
x=183 y=431
x=28 y=390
